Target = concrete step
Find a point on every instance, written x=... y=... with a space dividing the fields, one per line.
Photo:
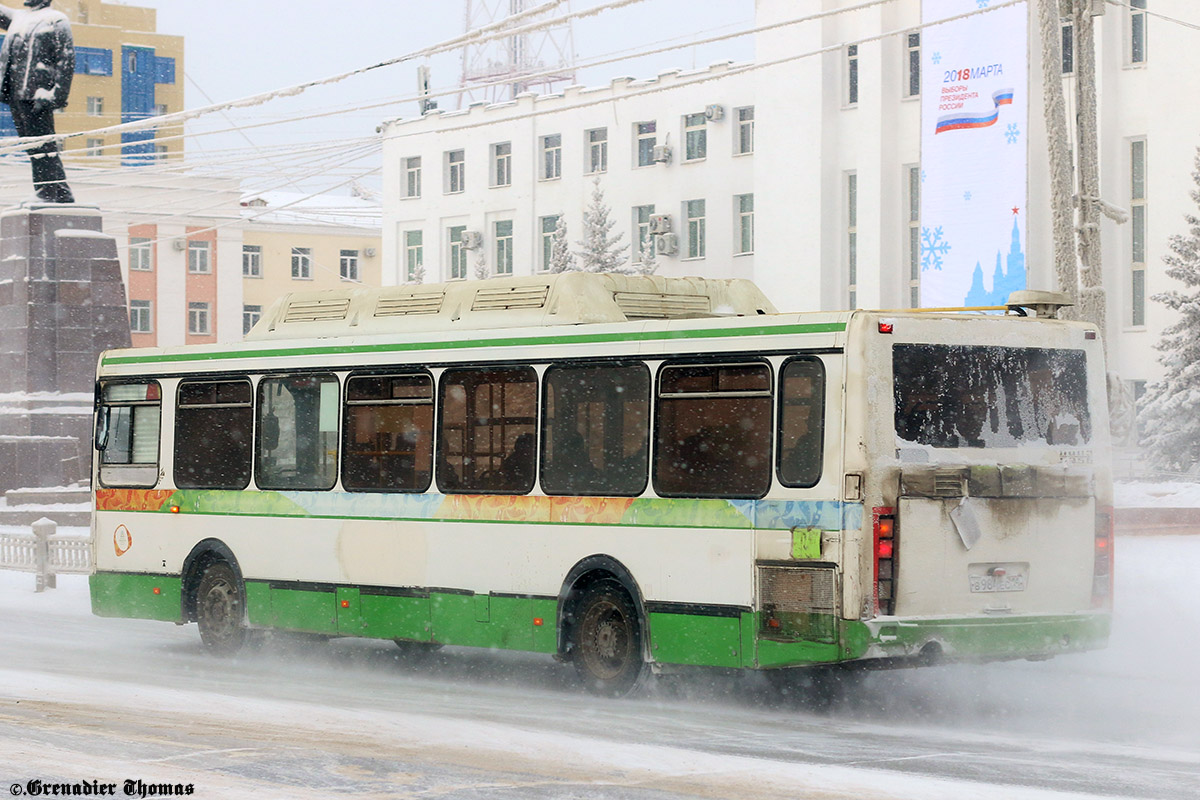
x=71 y=515
x=58 y=495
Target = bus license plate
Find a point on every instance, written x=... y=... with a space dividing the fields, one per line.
x=997 y=583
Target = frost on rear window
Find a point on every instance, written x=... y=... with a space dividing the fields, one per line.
x=975 y=396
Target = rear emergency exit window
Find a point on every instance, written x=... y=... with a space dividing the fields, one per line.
x=983 y=396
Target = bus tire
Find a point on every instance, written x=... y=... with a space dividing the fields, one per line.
x=221 y=609
x=607 y=646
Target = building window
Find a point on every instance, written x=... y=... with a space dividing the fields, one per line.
x=251 y=261
x=743 y=209
x=1068 y=47
x=412 y=177
x=414 y=256
x=141 y=254
x=458 y=253
x=694 y=211
x=549 y=225
x=913 y=66
x=95 y=147
x=641 y=230
x=199 y=257
x=504 y=247
x=302 y=263
x=1137 y=31
x=348 y=265
x=852 y=75
x=914 y=236
x=852 y=238
x=456 y=171
x=502 y=164
x=695 y=137
x=745 y=131
x=160 y=152
x=1137 y=210
x=646 y=139
x=160 y=109
x=95 y=106
x=597 y=142
x=139 y=316
x=198 y=319
x=250 y=317
x=552 y=156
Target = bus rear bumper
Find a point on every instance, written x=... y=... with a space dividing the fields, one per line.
x=986 y=638
x=899 y=642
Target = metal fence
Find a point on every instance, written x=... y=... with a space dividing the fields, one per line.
x=45 y=553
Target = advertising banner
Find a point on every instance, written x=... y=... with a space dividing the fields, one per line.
x=974 y=128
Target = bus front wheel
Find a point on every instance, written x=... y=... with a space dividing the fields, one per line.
x=220 y=609
x=608 y=640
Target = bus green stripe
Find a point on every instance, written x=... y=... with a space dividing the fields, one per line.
x=529 y=341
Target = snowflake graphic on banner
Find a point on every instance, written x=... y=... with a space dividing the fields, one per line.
x=933 y=248
x=936 y=58
x=982 y=4
x=967 y=196
x=1012 y=133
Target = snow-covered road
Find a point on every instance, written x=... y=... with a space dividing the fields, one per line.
x=88 y=699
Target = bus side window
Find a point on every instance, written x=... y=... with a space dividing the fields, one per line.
x=387 y=439
x=487 y=430
x=127 y=434
x=801 y=422
x=304 y=454
x=713 y=430
x=595 y=425
x=214 y=434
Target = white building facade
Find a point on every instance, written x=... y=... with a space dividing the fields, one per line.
x=808 y=177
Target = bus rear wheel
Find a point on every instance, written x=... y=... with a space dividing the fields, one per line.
x=607 y=640
x=220 y=609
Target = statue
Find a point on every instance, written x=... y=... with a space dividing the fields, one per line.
x=37 y=62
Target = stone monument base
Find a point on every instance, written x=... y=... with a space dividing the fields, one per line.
x=62 y=303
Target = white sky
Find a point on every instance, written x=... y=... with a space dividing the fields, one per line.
x=235 y=48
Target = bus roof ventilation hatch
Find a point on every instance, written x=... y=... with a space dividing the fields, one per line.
x=320 y=310
x=1045 y=304
x=655 y=305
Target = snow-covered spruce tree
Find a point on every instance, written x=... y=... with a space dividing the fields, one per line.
x=599 y=251
x=481 y=267
x=646 y=263
x=1169 y=413
x=561 y=258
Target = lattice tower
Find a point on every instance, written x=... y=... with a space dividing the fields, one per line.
x=514 y=60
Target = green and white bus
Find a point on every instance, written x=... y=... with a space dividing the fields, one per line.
x=622 y=472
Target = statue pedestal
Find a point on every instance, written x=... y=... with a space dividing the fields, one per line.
x=62 y=301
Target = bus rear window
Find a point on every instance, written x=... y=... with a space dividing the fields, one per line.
x=981 y=396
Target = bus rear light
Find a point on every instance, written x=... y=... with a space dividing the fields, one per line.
x=887 y=326
x=885 y=561
x=1102 y=573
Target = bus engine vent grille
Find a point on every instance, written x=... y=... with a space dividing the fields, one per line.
x=511 y=297
x=415 y=303
x=653 y=305
x=798 y=602
x=324 y=310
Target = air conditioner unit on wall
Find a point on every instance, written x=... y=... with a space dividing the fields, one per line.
x=660 y=223
x=714 y=113
x=472 y=240
x=661 y=154
x=369 y=252
x=179 y=244
x=666 y=244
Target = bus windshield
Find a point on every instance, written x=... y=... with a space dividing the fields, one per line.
x=979 y=396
